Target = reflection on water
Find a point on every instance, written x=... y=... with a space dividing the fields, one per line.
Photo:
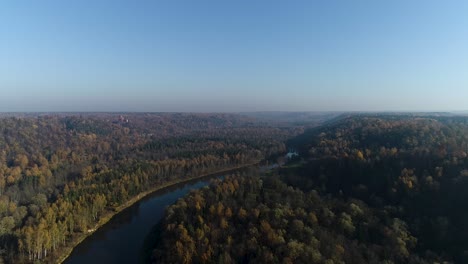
x=121 y=239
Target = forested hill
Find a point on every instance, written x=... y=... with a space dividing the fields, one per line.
x=373 y=132
x=416 y=166
x=366 y=189
x=60 y=174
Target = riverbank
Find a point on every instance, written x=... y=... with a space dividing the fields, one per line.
x=64 y=253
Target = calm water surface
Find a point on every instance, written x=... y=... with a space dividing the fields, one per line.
x=121 y=239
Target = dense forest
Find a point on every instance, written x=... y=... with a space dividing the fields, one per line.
x=60 y=174
x=252 y=219
x=365 y=189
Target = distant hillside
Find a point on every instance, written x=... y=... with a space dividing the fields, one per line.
x=299 y=118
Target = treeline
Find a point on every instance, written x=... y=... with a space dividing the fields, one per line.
x=59 y=174
x=262 y=220
x=367 y=189
x=414 y=166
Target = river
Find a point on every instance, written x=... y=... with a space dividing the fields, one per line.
x=121 y=239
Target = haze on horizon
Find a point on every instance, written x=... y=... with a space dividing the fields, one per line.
x=209 y=56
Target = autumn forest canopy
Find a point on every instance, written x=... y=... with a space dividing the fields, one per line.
x=60 y=174
x=233 y=132
x=364 y=188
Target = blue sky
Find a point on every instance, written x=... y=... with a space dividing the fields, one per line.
x=233 y=55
